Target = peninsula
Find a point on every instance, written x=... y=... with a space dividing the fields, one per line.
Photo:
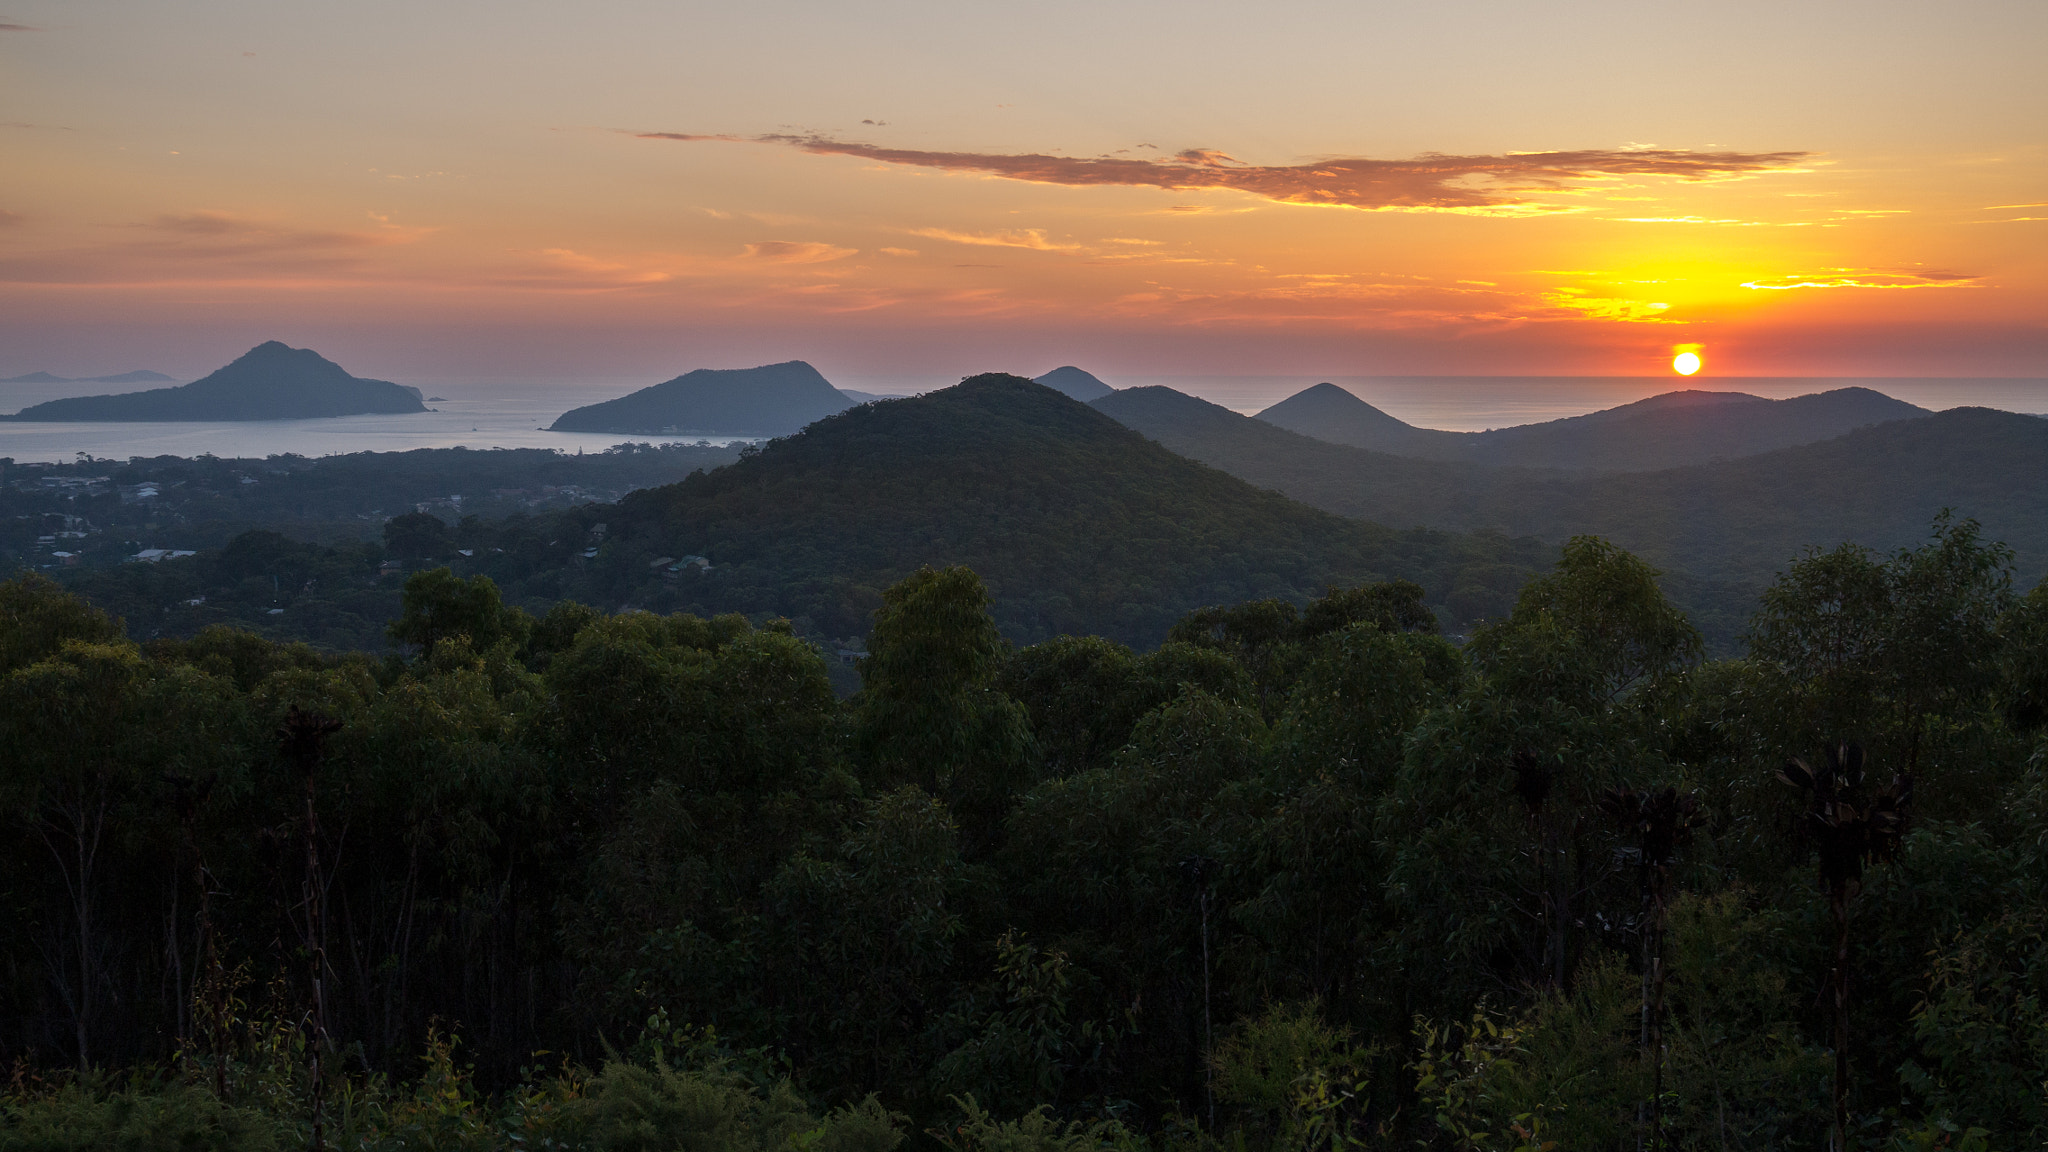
x=269 y=382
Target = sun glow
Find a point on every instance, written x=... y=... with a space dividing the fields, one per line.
x=1687 y=361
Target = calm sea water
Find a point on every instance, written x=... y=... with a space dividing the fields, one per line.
x=485 y=414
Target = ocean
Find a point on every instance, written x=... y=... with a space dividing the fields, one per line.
x=495 y=414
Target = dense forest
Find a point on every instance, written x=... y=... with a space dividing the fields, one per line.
x=1301 y=877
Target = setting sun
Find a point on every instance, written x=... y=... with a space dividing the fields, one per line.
x=1686 y=363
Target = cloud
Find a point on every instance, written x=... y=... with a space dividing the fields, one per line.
x=1866 y=278
x=796 y=251
x=19 y=28
x=10 y=219
x=608 y=272
x=897 y=251
x=221 y=234
x=1133 y=240
x=1007 y=238
x=1482 y=185
x=1609 y=307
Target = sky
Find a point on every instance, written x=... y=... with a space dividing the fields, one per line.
x=514 y=190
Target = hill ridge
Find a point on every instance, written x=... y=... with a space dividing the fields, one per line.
x=1667 y=430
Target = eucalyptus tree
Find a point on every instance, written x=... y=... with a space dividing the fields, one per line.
x=1847 y=826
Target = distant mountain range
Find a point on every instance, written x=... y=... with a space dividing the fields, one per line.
x=269 y=382
x=772 y=400
x=1077 y=524
x=137 y=377
x=1668 y=431
x=1740 y=520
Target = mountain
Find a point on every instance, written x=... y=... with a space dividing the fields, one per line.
x=1077 y=524
x=772 y=400
x=1082 y=386
x=1667 y=431
x=37 y=378
x=269 y=382
x=1733 y=520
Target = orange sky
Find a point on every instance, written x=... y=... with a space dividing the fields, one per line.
x=642 y=188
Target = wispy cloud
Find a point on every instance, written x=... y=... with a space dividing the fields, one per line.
x=1483 y=185
x=19 y=28
x=9 y=219
x=1007 y=238
x=1866 y=278
x=796 y=251
x=221 y=234
x=603 y=271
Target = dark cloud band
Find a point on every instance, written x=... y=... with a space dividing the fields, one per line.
x=1430 y=181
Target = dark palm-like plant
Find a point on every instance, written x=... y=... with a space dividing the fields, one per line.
x=303 y=741
x=1661 y=822
x=1848 y=827
x=1535 y=778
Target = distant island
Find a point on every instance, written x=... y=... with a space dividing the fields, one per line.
x=771 y=400
x=137 y=377
x=871 y=397
x=1082 y=386
x=269 y=382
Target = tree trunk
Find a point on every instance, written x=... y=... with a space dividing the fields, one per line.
x=1838 y=899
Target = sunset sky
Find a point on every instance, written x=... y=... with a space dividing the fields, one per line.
x=541 y=191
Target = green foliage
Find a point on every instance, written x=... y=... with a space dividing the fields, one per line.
x=1035 y=1131
x=2023 y=662
x=1294 y=1081
x=929 y=713
x=37 y=618
x=440 y=604
x=1874 y=647
x=138 y=1117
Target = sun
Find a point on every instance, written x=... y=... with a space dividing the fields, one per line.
x=1688 y=359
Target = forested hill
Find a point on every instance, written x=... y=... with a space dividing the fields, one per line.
x=1078 y=524
x=269 y=382
x=1737 y=520
x=1668 y=431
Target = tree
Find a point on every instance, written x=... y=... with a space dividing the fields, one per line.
x=1872 y=647
x=440 y=604
x=417 y=536
x=37 y=617
x=65 y=726
x=929 y=712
